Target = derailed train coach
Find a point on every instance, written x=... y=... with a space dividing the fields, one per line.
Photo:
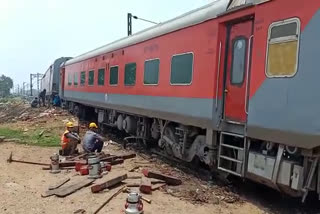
x=51 y=78
x=232 y=84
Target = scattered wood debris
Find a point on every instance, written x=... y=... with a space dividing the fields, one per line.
x=67 y=190
x=170 y=180
x=109 y=183
x=110 y=198
x=59 y=184
x=145 y=185
x=157 y=186
x=79 y=211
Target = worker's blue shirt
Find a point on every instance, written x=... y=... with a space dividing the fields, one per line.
x=89 y=140
x=56 y=101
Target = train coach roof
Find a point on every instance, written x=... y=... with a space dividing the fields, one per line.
x=193 y=17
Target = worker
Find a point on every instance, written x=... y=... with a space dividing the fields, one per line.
x=56 y=101
x=69 y=140
x=34 y=102
x=92 y=141
x=42 y=97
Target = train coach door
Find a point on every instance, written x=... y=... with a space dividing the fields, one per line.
x=237 y=70
x=61 y=87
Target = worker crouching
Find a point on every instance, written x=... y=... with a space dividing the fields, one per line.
x=69 y=140
x=92 y=142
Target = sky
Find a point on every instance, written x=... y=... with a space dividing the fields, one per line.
x=36 y=32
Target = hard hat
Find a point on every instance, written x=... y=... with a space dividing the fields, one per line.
x=69 y=125
x=93 y=125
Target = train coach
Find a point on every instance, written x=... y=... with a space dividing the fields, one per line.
x=233 y=84
x=51 y=78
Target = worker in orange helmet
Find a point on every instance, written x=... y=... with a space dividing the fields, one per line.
x=92 y=142
x=69 y=140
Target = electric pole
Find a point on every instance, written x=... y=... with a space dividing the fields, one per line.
x=129 y=18
x=38 y=78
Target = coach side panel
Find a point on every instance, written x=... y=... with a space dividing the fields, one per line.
x=284 y=107
x=191 y=103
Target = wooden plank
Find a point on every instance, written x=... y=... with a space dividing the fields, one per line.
x=132 y=179
x=110 y=198
x=116 y=162
x=69 y=163
x=145 y=185
x=109 y=183
x=134 y=168
x=59 y=184
x=157 y=186
x=156 y=181
x=62 y=168
x=128 y=156
x=67 y=190
x=109 y=159
x=168 y=179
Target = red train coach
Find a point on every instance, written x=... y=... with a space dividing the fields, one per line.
x=231 y=84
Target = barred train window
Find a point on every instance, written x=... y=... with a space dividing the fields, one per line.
x=113 y=80
x=130 y=74
x=101 y=72
x=181 y=69
x=91 y=77
x=75 y=80
x=83 y=77
x=283 y=48
x=69 y=79
x=151 y=72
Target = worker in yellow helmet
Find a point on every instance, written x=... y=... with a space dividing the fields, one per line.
x=92 y=141
x=69 y=140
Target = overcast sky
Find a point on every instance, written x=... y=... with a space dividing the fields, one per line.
x=36 y=32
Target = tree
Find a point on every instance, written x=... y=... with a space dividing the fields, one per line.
x=6 y=84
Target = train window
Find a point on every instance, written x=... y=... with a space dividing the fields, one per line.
x=75 y=78
x=101 y=76
x=113 y=80
x=151 y=72
x=69 y=79
x=238 y=60
x=91 y=77
x=283 y=48
x=130 y=74
x=181 y=69
x=83 y=78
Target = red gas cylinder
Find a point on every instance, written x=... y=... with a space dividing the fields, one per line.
x=84 y=170
x=79 y=164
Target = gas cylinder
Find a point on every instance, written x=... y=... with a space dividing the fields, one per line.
x=134 y=204
x=94 y=167
x=55 y=163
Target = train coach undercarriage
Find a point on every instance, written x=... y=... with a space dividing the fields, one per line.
x=290 y=170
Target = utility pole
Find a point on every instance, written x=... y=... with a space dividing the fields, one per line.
x=129 y=19
x=31 y=84
x=129 y=24
x=38 y=76
x=38 y=81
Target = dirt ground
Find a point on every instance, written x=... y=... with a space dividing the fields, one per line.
x=21 y=187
